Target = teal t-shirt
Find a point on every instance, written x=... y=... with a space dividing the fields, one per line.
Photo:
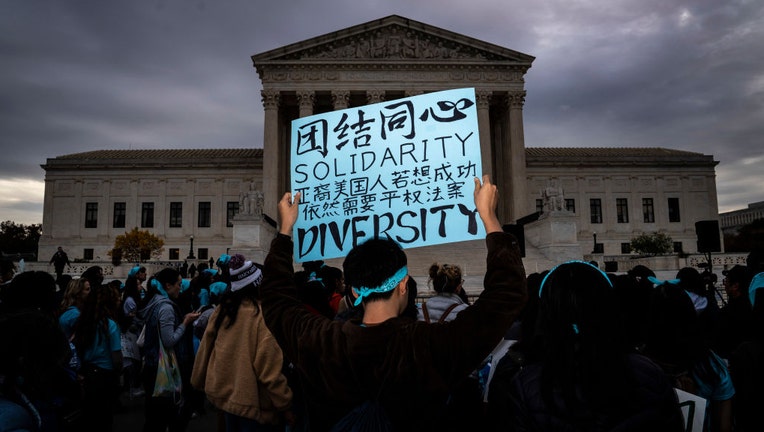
x=99 y=354
x=68 y=320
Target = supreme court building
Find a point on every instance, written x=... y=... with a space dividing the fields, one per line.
x=608 y=195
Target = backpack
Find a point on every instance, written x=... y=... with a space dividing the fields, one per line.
x=443 y=317
x=369 y=416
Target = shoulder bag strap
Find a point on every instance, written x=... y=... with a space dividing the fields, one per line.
x=447 y=311
x=425 y=313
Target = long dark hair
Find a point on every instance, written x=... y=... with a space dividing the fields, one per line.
x=579 y=330
x=100 y=306
x=230 y=302
x=674 y=336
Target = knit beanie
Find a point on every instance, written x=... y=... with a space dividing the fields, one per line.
x=244 y=273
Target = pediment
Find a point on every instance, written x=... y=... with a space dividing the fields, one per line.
x=393 y=39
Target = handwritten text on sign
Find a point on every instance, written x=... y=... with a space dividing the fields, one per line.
x=402 y=169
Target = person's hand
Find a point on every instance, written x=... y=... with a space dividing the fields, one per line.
x=486 y=201
x=190 y=318
x=288 y=212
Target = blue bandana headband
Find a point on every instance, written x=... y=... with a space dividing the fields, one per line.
x=387 y=285
x=543 y=281
x=756 y=283
x=224 y=259
x=158 y=286
x=134 y=271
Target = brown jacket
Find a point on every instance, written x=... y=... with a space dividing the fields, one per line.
x=239 y=368
x=408 y=366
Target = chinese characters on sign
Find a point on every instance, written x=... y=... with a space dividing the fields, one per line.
x=402 y=169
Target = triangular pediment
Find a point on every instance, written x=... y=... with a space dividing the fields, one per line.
x=393 y=39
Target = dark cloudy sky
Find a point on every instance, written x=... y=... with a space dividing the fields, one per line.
x=98 y=74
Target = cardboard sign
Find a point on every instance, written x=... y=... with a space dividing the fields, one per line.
x=401 y=169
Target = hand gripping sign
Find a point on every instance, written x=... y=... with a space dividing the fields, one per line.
x=402 y=169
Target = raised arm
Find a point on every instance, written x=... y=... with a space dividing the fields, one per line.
x=486 y=201
x=288 y=211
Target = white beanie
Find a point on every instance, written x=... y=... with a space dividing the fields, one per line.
x=247 y=274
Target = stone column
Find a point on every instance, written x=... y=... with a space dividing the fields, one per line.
x=375 y=96
x=340 y=99
x=516 y=206
x=273 y=158
x=483 y=99
x=306 y=98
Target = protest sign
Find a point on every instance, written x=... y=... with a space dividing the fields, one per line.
x=693 y=410
x=401 y=169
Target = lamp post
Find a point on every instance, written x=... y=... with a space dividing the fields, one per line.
x=191 y=250
x=594 y=249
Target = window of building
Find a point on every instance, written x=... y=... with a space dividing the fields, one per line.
x=648 y=210
x=678 y=247
x=120 y=209
x=673 y=210
x=205 y=214
x=595 y=208
x=570 y=205
x=91 y=215
x=176 y=214
x=231 y=210
x=174 y=253
x=622 y=210
x=147 y=215
x=540 y=205
x=204 y=253
x=625 y=248
x=87 y=254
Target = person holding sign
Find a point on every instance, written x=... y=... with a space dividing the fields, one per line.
x=387 y=360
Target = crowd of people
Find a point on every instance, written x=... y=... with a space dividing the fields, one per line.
x=323 y=348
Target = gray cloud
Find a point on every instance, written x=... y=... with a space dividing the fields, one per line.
x=79 y=76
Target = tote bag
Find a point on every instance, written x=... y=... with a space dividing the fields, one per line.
x=168 y=381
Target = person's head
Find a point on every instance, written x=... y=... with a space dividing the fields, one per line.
x=577 y=308
x=76 y=293
x=60 y=249
x=63 y=282
x=103 y=301
x=7 y=270
x=32 y=290
x=446 y=278
x=166 y=283
x=376 y=270
x=755 y=261
x=34 y=349
x=691 y=280
x=93 y=274
x=674 y=332
x=246 y=278
x=216 y=291
x=137 y=272
x=736 y=281
x=332 y=279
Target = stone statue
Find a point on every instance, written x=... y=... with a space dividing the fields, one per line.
x=251 y=202
x=243 y=204
x=553 y=197
x=255 y=203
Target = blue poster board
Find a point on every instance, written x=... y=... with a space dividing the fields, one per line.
x=402 y=169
